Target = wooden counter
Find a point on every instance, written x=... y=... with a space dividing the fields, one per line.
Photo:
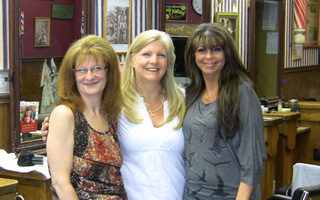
x=271 y=135
x=309 y=117
x=285 y=158
x=8 y=189
x=31 y=186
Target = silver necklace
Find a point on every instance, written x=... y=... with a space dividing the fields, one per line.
x=208 y=96
x=151 y=112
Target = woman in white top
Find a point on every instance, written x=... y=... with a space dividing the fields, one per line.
x=149 y=127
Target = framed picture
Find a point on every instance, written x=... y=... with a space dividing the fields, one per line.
x=180 y=29
x=42 y=31
x=297 y=51
x=117 y=23
x=176 y=12
x=60 y=11
x=312 y=24
x=231 y=22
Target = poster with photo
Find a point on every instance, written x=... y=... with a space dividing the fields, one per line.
x=29 y=116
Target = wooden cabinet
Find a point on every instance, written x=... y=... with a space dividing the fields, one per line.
x=285 y=156
x=5 y=136
x=8 y=189
x=310 y=143
x=32 y=185
x=271 y=135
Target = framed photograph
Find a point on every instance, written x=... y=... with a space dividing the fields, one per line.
x=60 y=11
x=231 y=22
x=297 y=50
x=117 y=23
x=42 y=31
x=176 y=12
x=312 y=24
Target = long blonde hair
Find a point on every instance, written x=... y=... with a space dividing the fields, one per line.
x=173 y=92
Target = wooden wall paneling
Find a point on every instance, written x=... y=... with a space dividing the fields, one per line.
x=302 y=83
x=5 y=135
x=31 y=72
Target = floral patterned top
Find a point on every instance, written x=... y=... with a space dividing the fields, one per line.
x=96 y=162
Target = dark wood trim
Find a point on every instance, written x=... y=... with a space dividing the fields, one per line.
x=282 y=11
x=14 y=60
x=5 y=98
x=89 y=10
x=251 y=54
x=35 y=145
x=206 y=11
x=149 y=15
x=162 y=15
x=302 y=69
x=34 y=60
x=251 y=51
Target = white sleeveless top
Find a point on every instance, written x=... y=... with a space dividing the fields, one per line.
x=153 y=158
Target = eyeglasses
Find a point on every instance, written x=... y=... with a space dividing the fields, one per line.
x=84 y=71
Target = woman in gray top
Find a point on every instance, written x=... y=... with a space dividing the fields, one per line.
x=223 y=126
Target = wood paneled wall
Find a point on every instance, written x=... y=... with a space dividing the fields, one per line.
x=5 y=135
x=31 y=72
x=302 y=83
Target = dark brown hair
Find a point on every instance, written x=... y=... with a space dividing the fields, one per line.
x=232 y=74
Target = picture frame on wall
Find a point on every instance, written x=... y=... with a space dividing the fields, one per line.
x=60 y=11
x=312 y=24
x=42 y=32
x=297 y=51
x=231 y=22
x=117 y=23
x=180 y=29
x=176 y=12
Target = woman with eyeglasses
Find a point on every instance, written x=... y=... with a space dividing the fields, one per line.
x=83 y=149
x=223 y=125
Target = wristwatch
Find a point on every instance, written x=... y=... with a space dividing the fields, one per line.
x=197 y=6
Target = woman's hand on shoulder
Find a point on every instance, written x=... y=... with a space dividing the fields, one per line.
x=45 y=129
x=60 y=110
